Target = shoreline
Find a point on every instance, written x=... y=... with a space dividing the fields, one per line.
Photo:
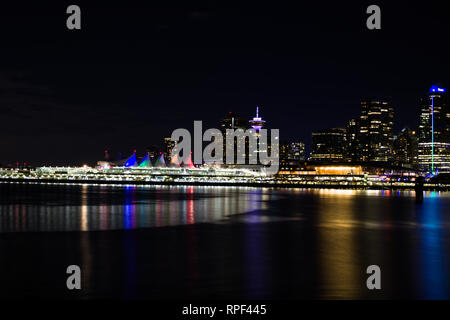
x=392 y=186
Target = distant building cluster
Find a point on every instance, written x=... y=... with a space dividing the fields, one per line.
x=365 y=140
x=370 y=138
x=235 y=122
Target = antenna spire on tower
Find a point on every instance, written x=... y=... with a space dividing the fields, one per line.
x=257 y=122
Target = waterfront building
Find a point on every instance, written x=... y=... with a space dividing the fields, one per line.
x=328 y=145
x=145 y=162
x=434 y=131
x=160 y=162
x=131 y=161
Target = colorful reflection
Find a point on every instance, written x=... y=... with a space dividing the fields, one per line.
x=432 y=263
x=190 y=219
x=88 y=208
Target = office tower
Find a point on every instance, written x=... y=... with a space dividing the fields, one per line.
x=169 y=145
x=292 y=151
x=375 y=131
x=434 y=132
x=405 y=149
x=351 y=141
x=232 y=121
x=328 y=145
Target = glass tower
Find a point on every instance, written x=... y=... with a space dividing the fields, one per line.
x=434 y=132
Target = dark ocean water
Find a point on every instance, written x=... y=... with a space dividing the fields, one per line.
x=161 y=242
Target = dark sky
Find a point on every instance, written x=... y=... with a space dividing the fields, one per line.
x=137 y=70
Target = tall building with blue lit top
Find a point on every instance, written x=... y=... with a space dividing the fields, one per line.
x=434 y=131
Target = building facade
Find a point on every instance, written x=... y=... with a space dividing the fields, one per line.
x=351 y=141
x=328 y=145
x=434 y=131
x=232 y=121
x=376 y=125
x=405 y=149
x=169 y=145
x=292 y=151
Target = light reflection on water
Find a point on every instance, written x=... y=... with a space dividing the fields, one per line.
x=433 y=263
x=88 y=208
x=339 y=265
x=92 y=208
x=327 y=240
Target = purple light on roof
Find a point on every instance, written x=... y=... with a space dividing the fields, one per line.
x=257 y=122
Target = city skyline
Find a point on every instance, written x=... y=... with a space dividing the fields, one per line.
x=224 y=159
x=120 y=86
x=370 y=138
x=155 y=151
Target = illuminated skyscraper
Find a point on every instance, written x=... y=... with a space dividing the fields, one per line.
x=376 y=125
x=434 y=132
x=351 y=141
x=168 y=146
x=328 y=145
x=232 y=121
x=405 y=149
x=292 y=151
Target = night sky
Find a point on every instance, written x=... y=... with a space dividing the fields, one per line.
x=137 y=70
